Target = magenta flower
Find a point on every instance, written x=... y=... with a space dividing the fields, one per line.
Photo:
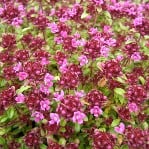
x=59 y=96
x=44 y=89
x=20 y=98
x=52 y=12
x=75 y=43
x=44 y=61
x=82 y=42
x=83 y=60
x=110 y=42
x=17 y=22
x=58 y=40
x=98 y=2
x=38 y=116
x=48 y=79
x=96 y=111
x=53 y=27
x=44 y=104
x=104 y=51
x=119 y=57
x=17 y=67
x=64 y=34
x=80 y=94
x=120 y=129
x=72 y=12
x=136 y=56
x=63 y=66
x=54 y=118
x=107 y=29
x=138 y=21
x=93 y=31
x=22 y=75
x=1 y=11
x=78 y=117
x=133 y=107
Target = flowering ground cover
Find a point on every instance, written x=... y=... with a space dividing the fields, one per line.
x=74 y=74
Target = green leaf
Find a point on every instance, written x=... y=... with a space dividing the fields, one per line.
x=63 y=122
x=121 y=99
x=119 y=91
x=62 y=129
x=115 y=122
x=124 y=147
x=107 y=14
x=3 y=119
x=2 y=140
x=26 y=29
x=22 y=89
x=2 y=131
x=121 y=80
x=77 y=127
x=84 y=15
x=86 y=71
x=56 y=78
x=3 y=83
x=86 y=119
x=142 y=80
x=62 y=141
x=43 y=146
x=10 y=112
x=102 y=129
x=145 y=125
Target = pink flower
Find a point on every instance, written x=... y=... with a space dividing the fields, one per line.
x=110 y=42
x=96 y=111
x=44 y=61
x=72 y=12
x=53 y=26
x=21 y=8
x=98 y=2
x=17 y=67
x=58 y=40
x=107 y=29
x=59 y=96
x=138 y=21
x=20 y=98
x=77 y=35
x=133 y=107
x=52 y=12
x=93 y=31
x=22 y=75
x=63 y=19
x=136 y=56
x=82 y=42
x=44 y=89
x=104 y=51
x=44 y=105
x=64 y=34
x=119 y=57
x=1 y=11
x=38 y=116
x=17 y=22
x=63 y=66
x=75 y=43
x=54 y=118
x=48 y=79
x=83 y=60
x=78 y=117
x=80 y=94
x=120 y=129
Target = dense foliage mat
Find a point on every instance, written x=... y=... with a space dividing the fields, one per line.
x=74 y=74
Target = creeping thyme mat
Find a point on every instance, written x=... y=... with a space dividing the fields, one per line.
x=74 y=74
